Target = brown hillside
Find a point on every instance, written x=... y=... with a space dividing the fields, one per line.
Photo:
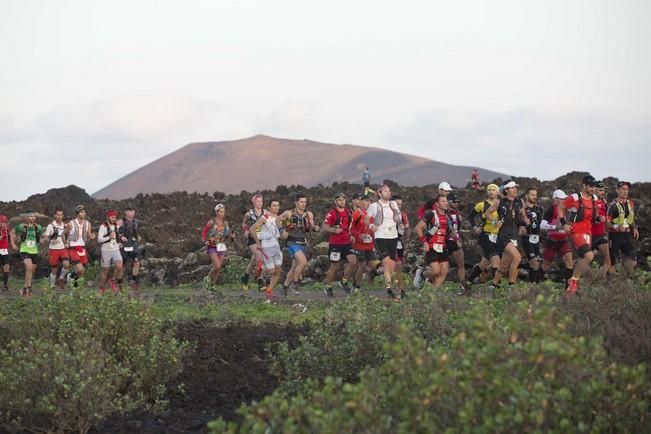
x=263 y=162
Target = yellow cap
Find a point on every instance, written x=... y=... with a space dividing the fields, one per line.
x=492 y=187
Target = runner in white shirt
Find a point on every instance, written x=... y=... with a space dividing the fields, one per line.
x=108 y=238
x=385 y=218
x=79 y=232
x=58 y=256
x=265 y=233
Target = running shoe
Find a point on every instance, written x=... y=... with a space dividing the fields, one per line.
x=328 y=291
x=418 y=278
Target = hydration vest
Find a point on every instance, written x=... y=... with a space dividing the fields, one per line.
x=623 y=219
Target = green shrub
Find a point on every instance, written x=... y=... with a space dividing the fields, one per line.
x=67 y=362
x=352 y=336
x=521 y=373
x=233 y=270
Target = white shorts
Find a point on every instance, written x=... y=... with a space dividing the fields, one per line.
x=272 y=257
x=110 y=257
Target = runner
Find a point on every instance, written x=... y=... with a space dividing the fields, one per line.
x=599 y=236
x=622 y=228
x=364 y=244
x=298 y=222
x=444 y=189
x=214 y=235
x=29 y=233
x=366 y=181
x=403 y=235
x=385 y=217
x=433 y=231
x=58 y=256
x=4 y=251
x=454 y=243
x=512 y=216
x=337 y=222
x=109 y=240
x=265 y=232
x=557 y=243
x=577 y=215
x=256 y=263
x=130 y=243
x=531 y=234
x=79 y=232
x=476 y=184
x=487 y=230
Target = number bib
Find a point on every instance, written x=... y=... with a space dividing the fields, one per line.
x=366 y=239
x=534 y=239
x=399 y=245
x=221 y=247
x=335 y=256
x=128 y=249
x=438 y=248
x=81 y=252
x=4 y=252
x=30 y=244
x=492 y=238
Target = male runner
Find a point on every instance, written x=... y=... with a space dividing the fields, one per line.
x=58 y=256
x=385 y=216
x=108 y=237
x=256 y=263
x=265 y=232
x=433 y=231
x=599 y=236
x=130 y=242
x=364 y=244
x=337 y=222
x=29 y=235
x=511 y=214
x=557 y=243
x=484 y=218
x=79 y=233
x=531 y=237
x=403 y=235
x=4 y=251
x=622 y=227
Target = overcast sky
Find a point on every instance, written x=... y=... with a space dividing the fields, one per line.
x=91 y=90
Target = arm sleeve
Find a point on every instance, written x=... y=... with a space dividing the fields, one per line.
x=204 y=232
x=101 y=234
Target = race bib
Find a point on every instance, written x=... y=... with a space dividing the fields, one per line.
x=534 y=239
x=399 y=245
x=433 y=230
x=128 y=249
x=335 y=256
x=492 y=238
x=81 y=252
x=438 y=248
x=221 y=247
x=4 y=252
x=366 y=239
x=30 y=243
x=515 y=242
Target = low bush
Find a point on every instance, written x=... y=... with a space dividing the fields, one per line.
x=352 y=336
x=522 y=372
x=67 y=362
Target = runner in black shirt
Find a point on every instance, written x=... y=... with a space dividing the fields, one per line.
x=511 y=216
x=531 y=234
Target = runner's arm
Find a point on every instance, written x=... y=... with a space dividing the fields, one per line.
x=12 y=239
x=253 y=231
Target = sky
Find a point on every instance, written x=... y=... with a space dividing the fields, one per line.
x=92 y=90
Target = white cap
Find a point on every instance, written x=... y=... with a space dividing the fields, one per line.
x=559 y=194
x=510 y=184
x=445 y=186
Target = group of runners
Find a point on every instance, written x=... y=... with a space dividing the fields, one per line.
x=67 y=248
x=367 y=237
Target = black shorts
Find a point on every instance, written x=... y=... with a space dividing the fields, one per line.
x=621 y=242
x=487 y=246
x=4 y=260
x=502 y=242
x=134 y=255
x=337 y=253
x=387 y=248
x=451 y=246
x=599 y=240
x=250 y=241
x=432 y=256
x=31 y=256
x=366 y=255
x=531 y=250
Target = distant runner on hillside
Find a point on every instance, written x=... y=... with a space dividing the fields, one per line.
x=366 y=180
x=476 y=184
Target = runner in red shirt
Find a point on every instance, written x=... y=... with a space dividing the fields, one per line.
x=557 y=243
x=364 y=244
x=4 y=251
x=337 y=222
x=599 y=234
x=577 y=215
x=433 y=231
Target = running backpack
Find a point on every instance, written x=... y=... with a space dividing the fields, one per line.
x=349 y=214
x=37 y=232
x=577 y=216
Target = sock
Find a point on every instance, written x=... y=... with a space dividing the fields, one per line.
x=64 y=271
x=5 y=278
x=493 y=271
x=53 y=279
x=476 y=271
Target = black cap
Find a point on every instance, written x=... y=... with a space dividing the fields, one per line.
x=623 y=183
x=365 y=197
x=130 y=208
x=340 y=194
x=453 y=197
x=600 y=185
x=357 y=196
x=589 y=180
x=79 y=208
